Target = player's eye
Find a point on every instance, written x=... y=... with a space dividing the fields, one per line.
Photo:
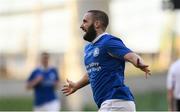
x=84 y=21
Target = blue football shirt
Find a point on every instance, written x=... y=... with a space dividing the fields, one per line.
x=106 y=72
x=44 y=91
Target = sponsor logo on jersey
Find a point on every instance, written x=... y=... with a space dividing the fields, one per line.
x=96 y=52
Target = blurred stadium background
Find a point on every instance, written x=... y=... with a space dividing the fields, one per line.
x=28 y=27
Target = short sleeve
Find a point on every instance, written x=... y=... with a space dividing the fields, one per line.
x=170 y=78
x=116 y=47
x=56 y=74
x=34 y=74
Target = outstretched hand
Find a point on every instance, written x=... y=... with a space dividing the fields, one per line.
x=143 y=67
x=69 y=88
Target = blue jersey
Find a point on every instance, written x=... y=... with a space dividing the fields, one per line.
x=106 y=72
x=44 y=91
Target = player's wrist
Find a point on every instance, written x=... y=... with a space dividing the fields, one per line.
x=76 y=86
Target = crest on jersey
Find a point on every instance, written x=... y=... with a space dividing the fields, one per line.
x=96 y=52
x=52 y=76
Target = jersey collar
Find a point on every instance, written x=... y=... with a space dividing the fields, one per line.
x=43 y=68
x=97 y=38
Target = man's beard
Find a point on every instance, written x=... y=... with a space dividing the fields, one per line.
x=90 y=35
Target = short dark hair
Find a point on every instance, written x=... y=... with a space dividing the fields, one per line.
x=101 y=16
x=45 y=54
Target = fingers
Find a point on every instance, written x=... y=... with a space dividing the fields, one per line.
x=143 y=66
x=68 y=81
x=65 y=86
x=140 y=64
x=66 y=90
x=145 y=69
x=67 y=94
x=147 y=72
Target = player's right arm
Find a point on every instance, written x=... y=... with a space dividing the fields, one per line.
x=72 y=87
x=31 y=84
x=117 y=49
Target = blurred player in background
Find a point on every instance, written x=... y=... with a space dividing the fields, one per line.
x=173 y=87
x=104 y=59
x=44 y=80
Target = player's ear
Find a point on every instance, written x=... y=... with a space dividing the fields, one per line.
x=97 y=24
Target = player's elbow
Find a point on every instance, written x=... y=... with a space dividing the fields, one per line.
x=29 y=86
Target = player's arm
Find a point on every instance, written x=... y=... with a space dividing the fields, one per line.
x=137 y=61
x=170 y=99
x=57 y=84
x=57 y=80
x=170 y=88
x=31 y=84
x=72 y=87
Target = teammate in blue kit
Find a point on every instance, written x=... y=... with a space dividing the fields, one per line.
x=44 y=80
x=104 y=59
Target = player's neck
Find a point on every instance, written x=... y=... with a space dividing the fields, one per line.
x=99 y=32
x=45 y=67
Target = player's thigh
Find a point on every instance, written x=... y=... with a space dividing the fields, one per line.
x=53 y=106
x=115 y=105
x=39 y=108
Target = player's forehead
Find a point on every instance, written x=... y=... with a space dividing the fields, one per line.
x=87 y=17
x=45 y=56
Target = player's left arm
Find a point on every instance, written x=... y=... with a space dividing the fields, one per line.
x=57 y=79
x=170 y=98
x=56 y=84
x=138 y=62
x=117 y=49
x=170 y=88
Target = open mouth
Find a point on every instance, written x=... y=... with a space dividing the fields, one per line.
x=84 y=30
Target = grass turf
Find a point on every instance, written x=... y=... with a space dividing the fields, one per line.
x=153 y=101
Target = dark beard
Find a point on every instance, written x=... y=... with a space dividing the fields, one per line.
x=90 y=35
